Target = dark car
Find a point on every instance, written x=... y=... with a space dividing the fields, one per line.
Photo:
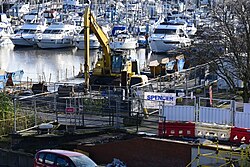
x=62 y=158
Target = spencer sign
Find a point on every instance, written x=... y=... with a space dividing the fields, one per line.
x=155 y=99
x=160 y=97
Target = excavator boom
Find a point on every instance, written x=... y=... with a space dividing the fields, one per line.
x=91 y=24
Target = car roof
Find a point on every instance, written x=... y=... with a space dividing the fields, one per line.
x=61 y=152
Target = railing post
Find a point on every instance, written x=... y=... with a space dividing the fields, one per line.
x=233 y=109
x=35 y=112
x=137 y=122
x=198 y=106
x=195 y=75
x=195 y=109
x=14 y=101
x=164 y=127
x=117 y=123
x=186 y=84
x=160 y=83
x=55 y=107
x=83 y=108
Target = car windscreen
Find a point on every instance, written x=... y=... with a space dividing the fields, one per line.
x=82 y=161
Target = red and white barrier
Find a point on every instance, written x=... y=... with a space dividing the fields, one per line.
x=204 y=130
x=240 y=135
x=176 y=129
x=212 y=131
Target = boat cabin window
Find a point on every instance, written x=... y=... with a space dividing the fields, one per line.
x=48 y=15
x=90 y=32
x=142 y=33
x=23 y=31
x=176 y=23
x=32 y=31
x=47 y=32
x=52 y=32
x=56 y=31
x=165 y=31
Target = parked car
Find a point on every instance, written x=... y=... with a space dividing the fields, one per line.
x=62 y=158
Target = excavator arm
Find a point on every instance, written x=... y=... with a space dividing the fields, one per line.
x=91 y=24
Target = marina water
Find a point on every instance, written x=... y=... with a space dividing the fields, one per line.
x=53 y=65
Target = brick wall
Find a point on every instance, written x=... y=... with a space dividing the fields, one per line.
x=140 y=152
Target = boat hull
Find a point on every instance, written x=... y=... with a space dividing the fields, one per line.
x=92 y=44
x=159 y=46
x=54 y=43
x=23 y=41
x=123 y=45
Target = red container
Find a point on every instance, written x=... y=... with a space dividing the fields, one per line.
x=240 y=135
x=176 y=129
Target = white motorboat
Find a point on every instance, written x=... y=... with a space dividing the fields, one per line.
x=5 y=30
x=57 y=35
x=79 y=41
x=123 y=40
x=168 y=37
x=25 y=35
x=184 y=20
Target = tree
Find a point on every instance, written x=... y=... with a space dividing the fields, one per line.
x=6 y=106
x=226 y=43
x=6 y=114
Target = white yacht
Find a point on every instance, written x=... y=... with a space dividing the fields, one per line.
x=79 y=40
x=123 y=40
x=25 y=35
x=168 y=37
x=184 y=20
x=5 y=30
x=57 y=35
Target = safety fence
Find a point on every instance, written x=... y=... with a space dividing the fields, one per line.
x=226 y=123
x=229 y=114
x=13 y=124
x=102 y=108
x=115 y=107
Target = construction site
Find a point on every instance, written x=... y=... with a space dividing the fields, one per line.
x=171 y=115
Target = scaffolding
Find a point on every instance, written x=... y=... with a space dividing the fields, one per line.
x=211 y=154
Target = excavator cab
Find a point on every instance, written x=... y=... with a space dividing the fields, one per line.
x=117 y=63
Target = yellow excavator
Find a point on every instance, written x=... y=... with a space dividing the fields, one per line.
x=113 y=68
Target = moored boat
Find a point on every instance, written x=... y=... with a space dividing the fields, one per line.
x=25 y=35
x=168 y=37
x=57 y=35
x=5 y=30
